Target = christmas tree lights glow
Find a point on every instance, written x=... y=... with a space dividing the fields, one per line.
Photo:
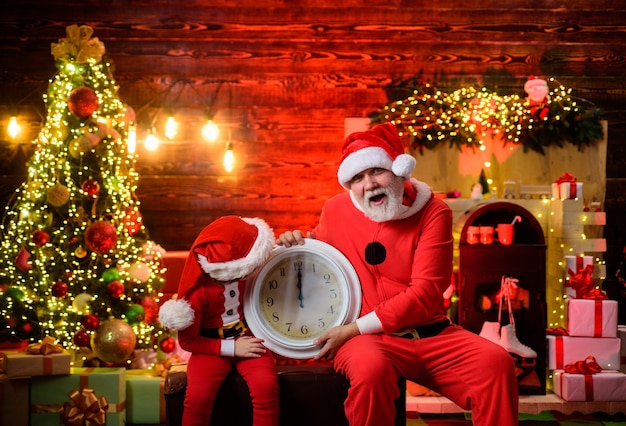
x=74 y=227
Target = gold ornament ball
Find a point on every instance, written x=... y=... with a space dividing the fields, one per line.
x=81 y=302
x=58 y=195
x=114 y=341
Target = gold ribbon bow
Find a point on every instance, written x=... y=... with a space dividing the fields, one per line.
x=45 y=347
x=78 y=45
x=86 y=409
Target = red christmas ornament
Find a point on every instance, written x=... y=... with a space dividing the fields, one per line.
x=82 y=102
x=40 y=238
x=115 y=289
x=151 y=310
x=81 y=338
x=132 y=221
x=100 y=237
x=27 y=327
x=91 y=322
x=59 y=289
x=91 y=187
x=21 y=261
x=167 y=345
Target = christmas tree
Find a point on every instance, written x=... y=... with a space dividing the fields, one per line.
x=76 y=262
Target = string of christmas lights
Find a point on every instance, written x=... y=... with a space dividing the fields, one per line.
x=464 y=117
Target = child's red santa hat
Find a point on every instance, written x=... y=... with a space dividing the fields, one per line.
x=228 y=249
x=378 y=147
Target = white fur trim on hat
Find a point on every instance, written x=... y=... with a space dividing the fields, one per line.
x=240 y=268
x=176 y=314
x=360 y=160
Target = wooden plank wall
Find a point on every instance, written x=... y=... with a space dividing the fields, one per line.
x=289 y=73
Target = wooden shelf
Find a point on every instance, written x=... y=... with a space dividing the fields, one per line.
x=528 y=404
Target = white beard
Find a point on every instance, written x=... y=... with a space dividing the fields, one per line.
x=392 y=206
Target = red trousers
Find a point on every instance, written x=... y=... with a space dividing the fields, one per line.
x=471 y=371
x=205 y=374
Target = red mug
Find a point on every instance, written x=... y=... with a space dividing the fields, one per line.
x=473 y=235
x=505 y=233
x=486 y=234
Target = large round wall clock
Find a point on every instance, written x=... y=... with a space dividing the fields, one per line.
x=300 y=292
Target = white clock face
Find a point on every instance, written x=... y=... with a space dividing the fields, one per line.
x=298 y=294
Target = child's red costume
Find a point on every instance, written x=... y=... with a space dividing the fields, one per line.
x=209 y=316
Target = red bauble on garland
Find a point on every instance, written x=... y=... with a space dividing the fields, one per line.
x=100 y=237
x=82 y=102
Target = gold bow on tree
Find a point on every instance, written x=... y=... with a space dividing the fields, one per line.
x=86 y=409
x=78 y=45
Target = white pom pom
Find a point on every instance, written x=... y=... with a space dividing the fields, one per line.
x=403 y=165
x=176 y=314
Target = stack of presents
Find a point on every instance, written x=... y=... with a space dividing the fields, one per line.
x=38 y=386
x=587 y=358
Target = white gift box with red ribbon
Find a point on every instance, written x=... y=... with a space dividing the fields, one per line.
x=574 y=265
x=567 y=190
x=563 y=350
x=603 y=386
x=592 y=318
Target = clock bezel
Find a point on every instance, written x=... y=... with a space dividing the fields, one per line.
x=283 y=345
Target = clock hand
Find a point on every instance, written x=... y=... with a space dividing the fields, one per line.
x=300 y=297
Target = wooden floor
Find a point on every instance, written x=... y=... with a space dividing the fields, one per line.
x=529 y=404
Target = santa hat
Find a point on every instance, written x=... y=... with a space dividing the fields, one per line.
x=534 y=81
x=378 y=147
x=228 y=249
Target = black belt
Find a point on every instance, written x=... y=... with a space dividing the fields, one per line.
x=225 y=332
x=423 y=331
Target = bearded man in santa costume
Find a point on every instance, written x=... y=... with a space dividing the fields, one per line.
x=209 y=316
x=398 y=237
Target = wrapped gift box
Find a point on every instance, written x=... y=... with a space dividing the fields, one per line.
x=567 y=190
x=574 y=265
x=25 y=364
x=592 y=318
x=564 y=350
x=14 y=401
x=603 y=386
x=145 y=399
x=49 y=394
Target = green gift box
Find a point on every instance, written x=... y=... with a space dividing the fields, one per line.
x=13 y=401
x=50 y=394
x=145 y=401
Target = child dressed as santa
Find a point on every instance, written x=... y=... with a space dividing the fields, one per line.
x=208 y=315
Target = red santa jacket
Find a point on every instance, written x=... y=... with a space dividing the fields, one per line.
x=406 y=288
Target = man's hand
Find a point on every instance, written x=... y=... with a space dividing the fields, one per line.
x=292 y=238
x=333 y=339
x=249 y=347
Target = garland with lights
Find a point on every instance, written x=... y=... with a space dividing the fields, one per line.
x=462 y=118
x=76 y=262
